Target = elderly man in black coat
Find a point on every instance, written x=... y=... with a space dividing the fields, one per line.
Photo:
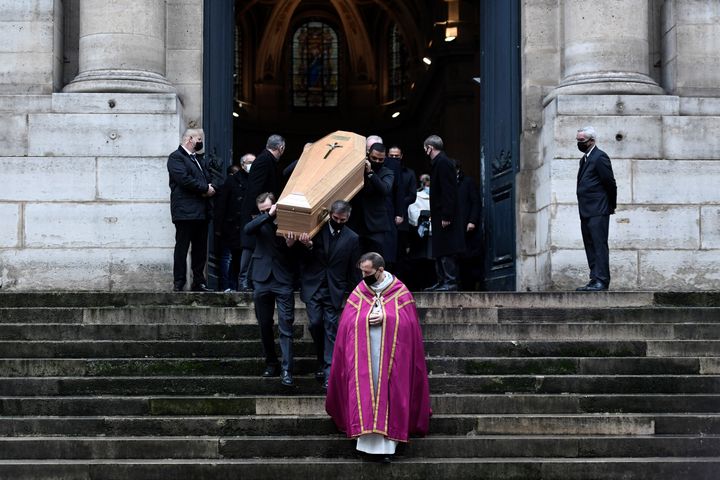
x=597 y=200
x=190 y=208
x=447 y=229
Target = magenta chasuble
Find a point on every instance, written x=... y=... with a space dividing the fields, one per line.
x=401 y=405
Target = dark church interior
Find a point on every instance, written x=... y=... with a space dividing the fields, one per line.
x=403 y=69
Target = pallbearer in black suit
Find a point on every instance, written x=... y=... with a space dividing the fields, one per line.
x=273 y=272
x=328 y=274
x=597 y=199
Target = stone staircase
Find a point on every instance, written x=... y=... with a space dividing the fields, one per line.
x=524 y=386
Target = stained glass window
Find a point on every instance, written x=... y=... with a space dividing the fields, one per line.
x=315 y=66
x=397 y=66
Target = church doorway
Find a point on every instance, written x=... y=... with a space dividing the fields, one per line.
x=303 y=69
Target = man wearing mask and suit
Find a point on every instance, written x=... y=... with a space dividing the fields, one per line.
x=190 y=208
x=273 y=272
x=447 y=229
x=597 y=200
x=328 y=274
x=372 y=220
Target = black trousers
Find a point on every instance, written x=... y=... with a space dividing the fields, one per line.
x=323 y=322
x=190 y=233
x=265 y=296
x=595 y=238
x=446 y=270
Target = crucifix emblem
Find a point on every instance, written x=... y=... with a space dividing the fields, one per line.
x=332 y=146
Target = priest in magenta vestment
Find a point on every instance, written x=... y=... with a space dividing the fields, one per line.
x=378 y=388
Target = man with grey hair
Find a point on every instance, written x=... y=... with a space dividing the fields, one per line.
x=597 y=200
x=262 y=178
x=328 y=274
x=190 y=208
x=447 y=231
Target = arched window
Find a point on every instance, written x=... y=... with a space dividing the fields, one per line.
x=315 y=66
x=397 y=66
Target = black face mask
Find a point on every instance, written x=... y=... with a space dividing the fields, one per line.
x=198 y=146
x=370 y=280
x=583 y=146
x=335 y=225
x=376 y=166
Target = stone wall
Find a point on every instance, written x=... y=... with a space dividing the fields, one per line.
x=84 y=201
x=666 y=161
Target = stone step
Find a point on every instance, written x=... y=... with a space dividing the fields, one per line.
x=300 y=425
x=315 y=404
x=610 y=299
x=49 y=367
x=478 y=468
x=244 y=385
x=209 y=447
x=454 y=331
x=209 y=315
x=459 y=348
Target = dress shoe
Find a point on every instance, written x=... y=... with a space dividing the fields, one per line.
x=433 y=288
x=201 y=287
x=448 y=287
x=271 y=371
x=320 y=375
x=286 y=378
x=596 y=286
x=584 y=287
x=178 y=288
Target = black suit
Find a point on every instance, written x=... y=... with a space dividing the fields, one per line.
x=263 y=177
x=597 y=200
x=329 y=273
x=370 y=217
x=190 y=212
x=272 y=275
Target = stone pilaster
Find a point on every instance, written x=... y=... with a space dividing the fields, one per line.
x=605 y=48
x=122 y=47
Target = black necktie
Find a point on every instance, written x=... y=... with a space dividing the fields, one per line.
x=583 y=160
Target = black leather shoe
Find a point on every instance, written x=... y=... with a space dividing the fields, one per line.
x=433 y=288
x=449 y=287
x=596 y=286
x=286 y=378
x=320 y=375
x=271 y=371
x=201 y=287
x=584 y=287
x=178 y=288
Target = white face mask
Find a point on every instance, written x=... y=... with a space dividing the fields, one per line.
x=247 y=167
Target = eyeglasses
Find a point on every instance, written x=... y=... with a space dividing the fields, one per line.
x=584 y=141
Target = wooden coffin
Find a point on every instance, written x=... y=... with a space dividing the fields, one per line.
x=328 y=170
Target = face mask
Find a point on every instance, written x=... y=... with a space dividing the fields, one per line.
x=335 y=225
x=376 y=166
x=370 y=280
x=247 y=167
x=198 y=146
x=426 y=190
x=583 y=146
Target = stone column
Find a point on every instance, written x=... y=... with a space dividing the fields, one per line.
x=690 y=48
x=605 y=48
x=122 y=47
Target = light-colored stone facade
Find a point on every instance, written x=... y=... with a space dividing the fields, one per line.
x=94 y=95
x=651 y=93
